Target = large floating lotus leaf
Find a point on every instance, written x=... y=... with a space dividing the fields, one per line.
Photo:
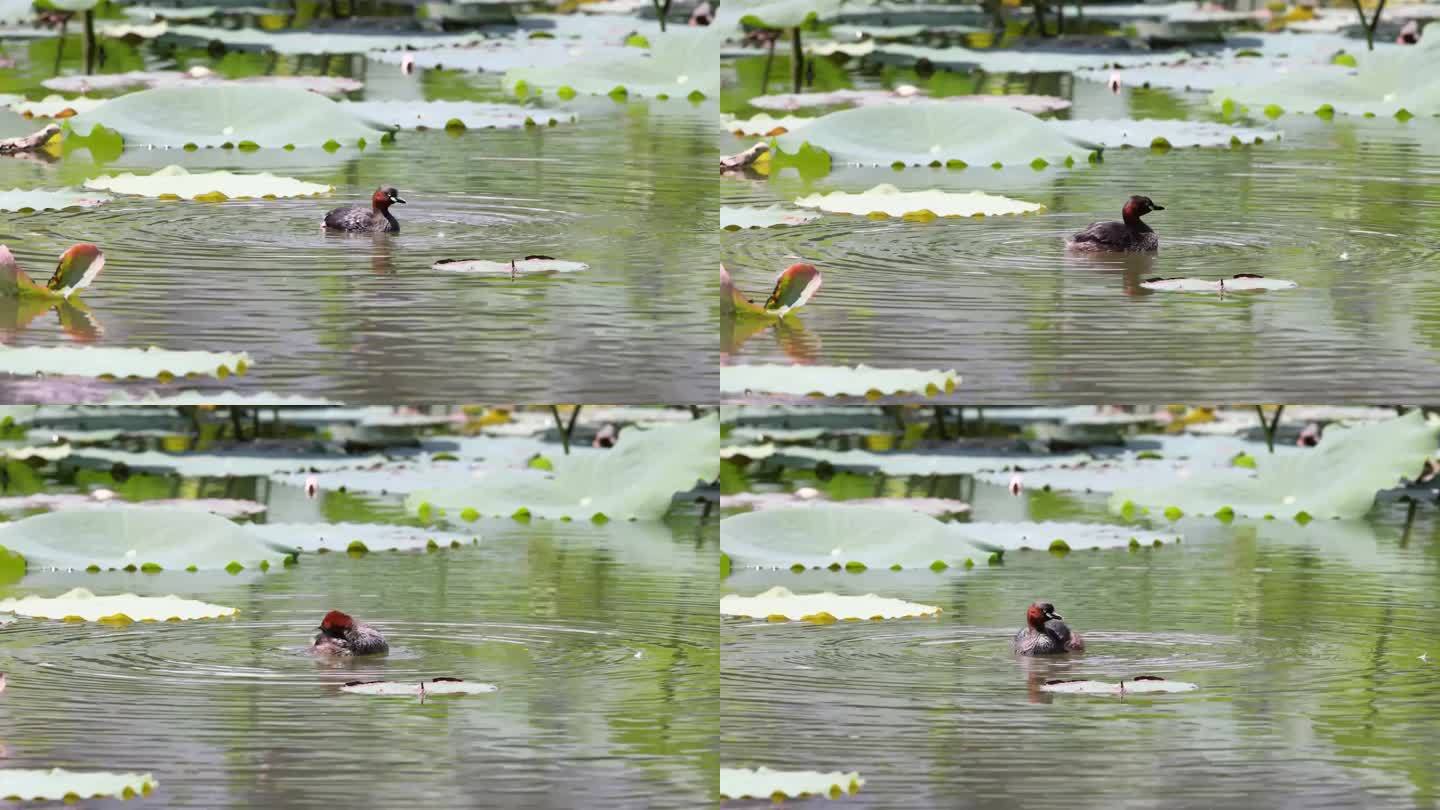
x=797 y=101
x=57 y=784
x=436 y=686
x=961 y=462
x=305 y=42
x=54 y=453
x=936 y=132
x=121 y=609
x=734 y=218
x=369 y=537
x=531 y=266
x=55 y=106
x=1057 y=536
x=683 y=62
x=1241 y=283
x=1017 y=61
x=176 y=182
x=848 y=536
x=779 y=603
x=17 y=11
x=500 y=55
x=217 y=465
x=1338 y=479
x=193 y=12
x=1136 y=687
x=96 y=361
x=834 y=380
x=763 y=783
x=450 y=114
x=638 y=478
x=1383 y=83
x=226 y=507
x=787 y=500
x=325 y=85
x=174 y=539
x=40 y=200
x=1113 y=474
x=235 y=114
x=1113 y=134
x=1207 y=75
x=887 y=200
x=763 y=124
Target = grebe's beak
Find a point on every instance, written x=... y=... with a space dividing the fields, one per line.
x=1153 y=207
x=397 y=199
x=1053 y=615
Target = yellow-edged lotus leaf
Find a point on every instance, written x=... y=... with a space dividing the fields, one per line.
x=57 y=784
x=832 y=381
x=175 y=181
x=764 y=783
x=821 y=607
x=123 y=608
x=891 y=201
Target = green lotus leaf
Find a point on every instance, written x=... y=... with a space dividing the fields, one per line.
x=777 y=13
x=57 y=784
x=413 y=689
x=832 y=98
x=41 y=200
x=78 y=267
x=794 y=288
x=734 y=218
x=832 y=47
x=120 y=609
x=530 y=266
x=17 y=11
x=132 y=30
x=1040 y=536
x=75 y=5
x=1241 y=283
x=216 y=115
x=450 y=115
x=826 y=535
x=1337 y=479
x=936 y=133
x=734 y=304
x=999 y=60
x=193 y=12
x=172 y=538
x=240 y=464
x=59 y=502
x=681 y=63
x=1142 y=686
x=1115 y=133
x=120 y=363
x=374 y=536
x=834 y=381
x=1205 y=75
x=890 y=201
x=765 y=125
x=638 y=478
x=53 y=106
x=954 y=462
x=197 y=78
x=821 y=607
x=52 y=453
x=1384 y=82
x=176 y=182
x=763 y=783
x=306 y=42
x=501 y=55
x=937 y=507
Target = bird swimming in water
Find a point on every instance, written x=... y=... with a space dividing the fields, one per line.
x=375 y=219
x=1128 y=236
x=1045 y=634
x=341 y=635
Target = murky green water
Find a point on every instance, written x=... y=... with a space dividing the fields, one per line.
x=628 y=190
x=1305 y=643
x=1346 y=208
x=601 y=639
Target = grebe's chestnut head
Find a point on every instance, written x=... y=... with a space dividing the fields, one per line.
x=336 y=623
x=1040 y=612
x=385 y=197
x=1138 y=206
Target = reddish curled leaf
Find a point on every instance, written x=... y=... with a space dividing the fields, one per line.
x=77 y=268
x=13 y=281
x=732 y=302
x=793 y=288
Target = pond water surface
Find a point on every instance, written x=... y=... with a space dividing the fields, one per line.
x=1345 y=208
x=1306 y=644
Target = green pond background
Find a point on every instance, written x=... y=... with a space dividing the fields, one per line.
x=601 y=639
x=1305 y=643
x=1348 y=208
x=628 y=189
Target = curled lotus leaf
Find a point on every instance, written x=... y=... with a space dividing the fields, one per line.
x=1138 y=686
x=175 y=182
x=794 y=288
x=860 y=381
x=1245 y=282
x=734 y=218
x=54 y=106
x=124 y=608
x=221 y=114
x=120 y=363
x=58 y=784
x=130 y=536
x=451 y=115
x=937 y=133
x=40 y=200
x=434 y=686
x=764 y=783
x=528 y=266
x=766 y=125
x=887 y=200
x=78 y=267
x=779 y=602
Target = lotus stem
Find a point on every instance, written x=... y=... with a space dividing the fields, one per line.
x=797 y=60
x=1270 y=426
x=89 y=42
x=565 y=430
x=769 y=59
